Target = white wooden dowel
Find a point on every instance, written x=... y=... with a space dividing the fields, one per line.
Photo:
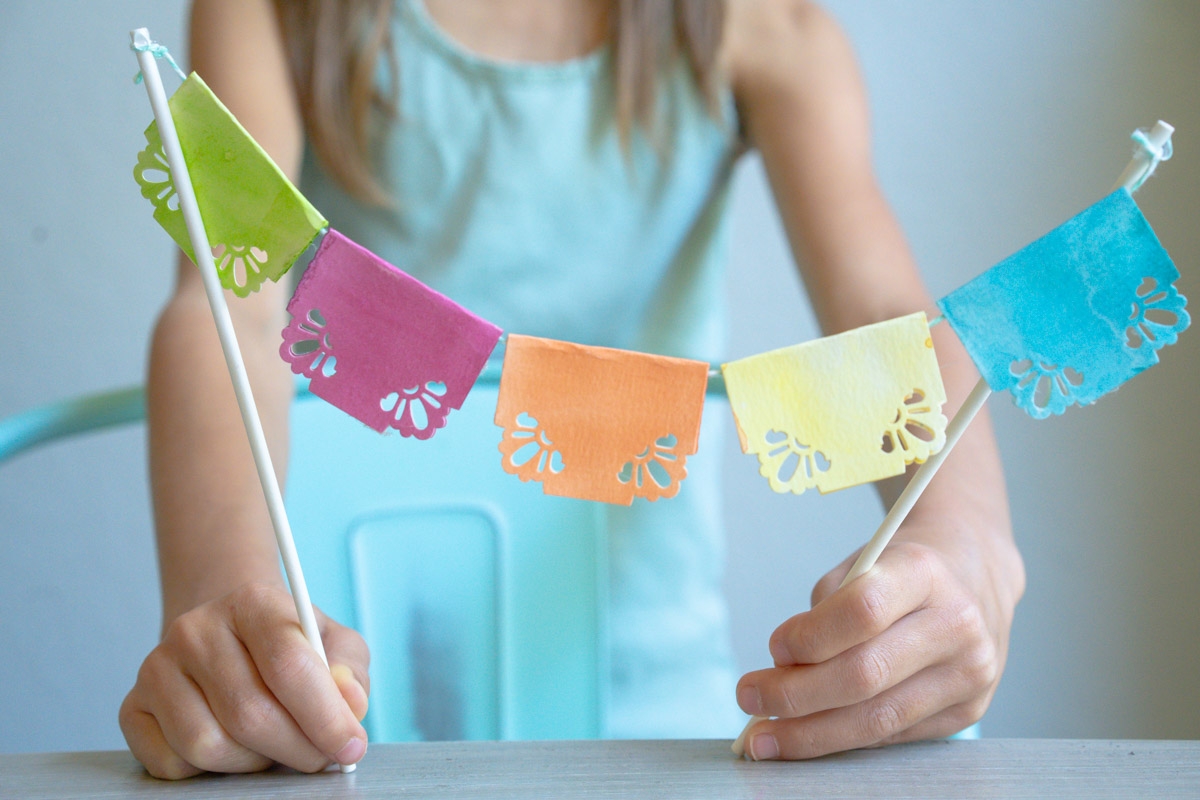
x=233 y=355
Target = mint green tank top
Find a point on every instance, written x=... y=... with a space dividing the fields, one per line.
x=514 y=197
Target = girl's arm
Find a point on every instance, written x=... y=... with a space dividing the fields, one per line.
x=913 y=649
x=234 y=685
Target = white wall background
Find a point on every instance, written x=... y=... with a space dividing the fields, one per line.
x=994 y=122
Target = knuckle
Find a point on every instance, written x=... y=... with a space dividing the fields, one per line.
x=788 y=700
x=286 y=665
x=185 y=635
x=205 y=746
x=153 y=667
x=870 y=610
x=974 y=710
x=868 y=672
x=981 y=666
x=169 y=767
x=922 y=558
x=248 y=716
x=254 y=600
x=882 y=719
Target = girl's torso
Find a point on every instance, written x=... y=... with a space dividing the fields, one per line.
x=514 y=197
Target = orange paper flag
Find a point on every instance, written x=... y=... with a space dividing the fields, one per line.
x=597 y=423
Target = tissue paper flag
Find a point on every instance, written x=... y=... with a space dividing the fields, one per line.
x=842 y=410
x=1075 y=314
x=257 y=222
x=379 y=344
x=597 y=423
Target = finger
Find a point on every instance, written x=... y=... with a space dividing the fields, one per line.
x=850 y=677
x=831 y=580
x=187 y=723
x=885 y=718
x=149 y=746
x=249 y=712
x=349 y=662
x=857 y=612
x=297 y=677
x=941 y=725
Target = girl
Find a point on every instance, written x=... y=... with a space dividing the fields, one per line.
x=560 y=167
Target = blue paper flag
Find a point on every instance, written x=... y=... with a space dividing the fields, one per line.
x=1075 y=314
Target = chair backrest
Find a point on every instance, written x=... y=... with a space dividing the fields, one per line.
x=481 y=599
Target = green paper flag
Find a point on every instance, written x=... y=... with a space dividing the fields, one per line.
x=258 y=224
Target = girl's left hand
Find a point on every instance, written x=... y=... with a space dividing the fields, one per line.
x=911 y=650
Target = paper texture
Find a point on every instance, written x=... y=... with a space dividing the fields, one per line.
x=379 y=344
x=1075 y=314
x=597 y=423
x=842 y=410
x=256 y=220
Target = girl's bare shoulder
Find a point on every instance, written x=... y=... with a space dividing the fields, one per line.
x=773 y=46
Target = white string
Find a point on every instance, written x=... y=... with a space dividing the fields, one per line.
x=158 y=51
x=1153 y=152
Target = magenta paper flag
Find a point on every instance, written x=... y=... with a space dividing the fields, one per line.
x=379 y=344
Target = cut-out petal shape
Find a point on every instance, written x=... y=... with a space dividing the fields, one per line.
x=153 y=174
x=418 y=411
x=1157 y=318
x=240 y=266
x=307 y=346
x=623 y=423
x=1044 y=389
x=788 y=465
x=528 y=452
x=842 y=410
x=918 y=430
x=1066 y=300
x=657 y=471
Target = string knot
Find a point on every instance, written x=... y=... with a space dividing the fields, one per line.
x=160 y=52
x=1153 y=153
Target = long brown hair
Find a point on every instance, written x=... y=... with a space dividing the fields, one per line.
x=334 y=47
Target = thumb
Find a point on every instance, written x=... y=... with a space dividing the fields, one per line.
x=349 y=660
x=353 y=692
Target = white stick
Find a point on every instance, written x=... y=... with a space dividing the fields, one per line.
x=229 y=345
x=1142 y=163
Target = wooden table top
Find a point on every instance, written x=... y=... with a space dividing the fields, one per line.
x=657 y=770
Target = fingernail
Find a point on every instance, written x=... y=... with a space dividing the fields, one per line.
x=749 y=698
x=352 y=752
x=780 y=653
x=763 y=747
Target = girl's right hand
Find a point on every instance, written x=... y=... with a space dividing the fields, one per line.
x=235 y=687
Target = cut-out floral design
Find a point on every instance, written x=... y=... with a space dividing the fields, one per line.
x=656 y=471
x=240 y=267
x=788 y=464
x=918 y=431
x=1148 y=325
x=1043 y=389
x=528 y=451
x=307 y=346
x=153 y=174
x=418 y=411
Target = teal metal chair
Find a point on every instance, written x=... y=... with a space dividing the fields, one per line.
x=482 y=600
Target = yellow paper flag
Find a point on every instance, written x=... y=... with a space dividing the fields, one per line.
x=842 y=410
